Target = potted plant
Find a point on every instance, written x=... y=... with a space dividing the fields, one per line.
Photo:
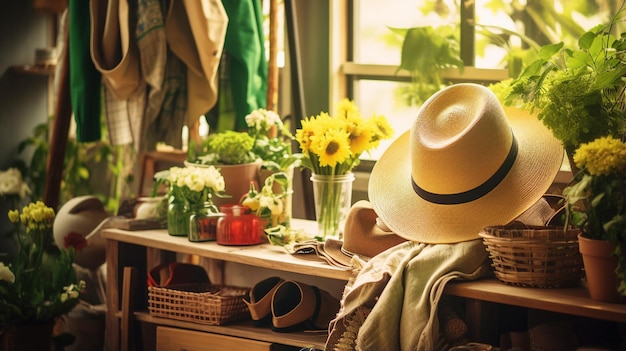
x=230 y=152
x=265 y=148
x=38 y=286
x=601 y=188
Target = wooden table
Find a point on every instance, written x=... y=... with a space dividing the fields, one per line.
x=130 y=248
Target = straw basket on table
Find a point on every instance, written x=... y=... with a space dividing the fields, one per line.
x=534 y=256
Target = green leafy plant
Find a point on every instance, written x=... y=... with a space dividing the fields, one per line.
x=228 y=148
x=79 y=160
x=269 y=205
x=266 y=139
x=578 y=93
x=426 y=52
x=272 y=140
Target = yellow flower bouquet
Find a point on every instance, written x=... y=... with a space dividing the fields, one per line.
x=40 y=284
x=334 y=144
x=331 y=148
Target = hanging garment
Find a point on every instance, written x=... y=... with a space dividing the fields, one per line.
x=153 y=54
x=115 y=55
x=85 y=80
x=195 y=32
x=246 y=57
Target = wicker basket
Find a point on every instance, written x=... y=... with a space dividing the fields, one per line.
x=199 y=303
x=532 y=256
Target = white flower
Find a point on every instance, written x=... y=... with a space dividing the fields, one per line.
x=11 y=183
x=262 y=119
x=6 y=274
x=72 y=291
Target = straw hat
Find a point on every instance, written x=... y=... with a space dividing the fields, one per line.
x=465 y=163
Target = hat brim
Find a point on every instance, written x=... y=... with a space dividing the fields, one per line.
x=411 y=217
x=333 y=248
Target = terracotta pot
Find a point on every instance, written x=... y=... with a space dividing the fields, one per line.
x=237 y=180
x=600 y=264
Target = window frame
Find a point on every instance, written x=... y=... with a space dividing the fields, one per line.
x=345 y=72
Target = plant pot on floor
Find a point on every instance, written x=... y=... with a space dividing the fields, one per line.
x=600 y=264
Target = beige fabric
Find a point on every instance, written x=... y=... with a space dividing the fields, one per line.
x=392 y=301
x=113 y=48
x=115 y=54
x=195 y=31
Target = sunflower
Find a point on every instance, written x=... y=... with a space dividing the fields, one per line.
x=382 y=128
x=332 y=147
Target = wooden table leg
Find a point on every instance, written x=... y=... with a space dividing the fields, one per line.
x=112 y=296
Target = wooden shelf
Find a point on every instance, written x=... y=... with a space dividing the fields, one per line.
x=34 y=70
x=572 y=301
x=264 y=255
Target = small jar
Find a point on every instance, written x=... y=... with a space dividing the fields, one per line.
x=148 y=207
x=177 y=217
x=203 y=222
x=238 y=226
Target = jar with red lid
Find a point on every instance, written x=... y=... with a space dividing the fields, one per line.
x=238 y=226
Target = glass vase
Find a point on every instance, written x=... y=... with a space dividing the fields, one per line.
x=333 y=197
x=177 y=217
x=203 y=222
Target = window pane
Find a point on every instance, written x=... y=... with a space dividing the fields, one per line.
x=387 y=103
x=374 y=42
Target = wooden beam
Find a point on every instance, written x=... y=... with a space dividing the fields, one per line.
x=272 y=69
x=58 y=138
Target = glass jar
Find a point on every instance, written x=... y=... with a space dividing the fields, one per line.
x=177 y=217
x=203 y=222
x=238 y=226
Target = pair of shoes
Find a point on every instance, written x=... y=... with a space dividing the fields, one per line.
x=291 y=305
x=259 y=300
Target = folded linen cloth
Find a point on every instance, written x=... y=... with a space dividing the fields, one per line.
x=391 y=302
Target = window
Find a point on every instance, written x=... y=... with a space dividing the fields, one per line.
x=369 y=67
